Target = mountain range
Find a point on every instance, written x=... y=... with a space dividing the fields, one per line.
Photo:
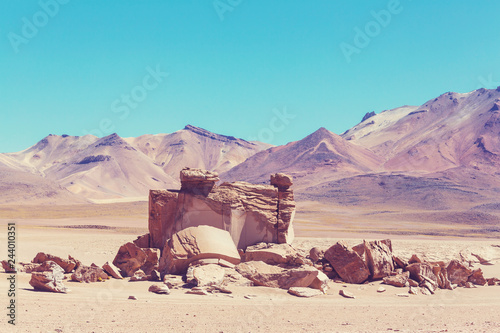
x=439 y=155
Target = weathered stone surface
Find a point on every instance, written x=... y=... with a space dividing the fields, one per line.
x=67 y=264
x=346 y=294
x=250 y=213
x=195 y=243
x=198 y=291
x=347 y=263
x=87 y=274
x=415 y=259
x=139 y=275
x=162 y=211
x=266 y=275
x=159 y=289
x=458 y=273
x=399 y=263
x=412 y=283
x=378 y=259
x=282 y=181
x=233 y=278
x=482 y=260
x=131 y=258
x=49 y=280
x=399 y=280
x=112 y=270
x=420 y=271
x=28 y=267
x=320 y=282
x=439 y=269
x=477 y=277
x=304 y=292
x=360 y=250
x=273 y=254
x=493 y=281
x=315 y=254
x=206 y=275
x=143 y=241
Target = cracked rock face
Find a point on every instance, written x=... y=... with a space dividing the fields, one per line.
x=250 y=213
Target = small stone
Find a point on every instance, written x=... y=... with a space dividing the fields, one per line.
x=380 y=289
x=159 y=289
x=197 y=291
x=346 y=294
x=132 y=298
x=304 y=292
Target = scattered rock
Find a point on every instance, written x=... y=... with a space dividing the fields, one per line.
x=346 y=294
x=380 y=289
x=263 y=274
x=457 y=272
x=112 y=270
x=206 y=275
x=399 y=280
x=378 y=259
x=49 y=280
x=159 y=289
x=347 y=263
x=412 y=283
x=399 y=263
x=87 y=274
x=143 y=241
x=273 y=254
x=304 y=292
x=129 y=259
x=139 y=275
x=132 y=298
x=316 y=254
x=420 y=270
x=415 y=260
x=198 y=291
x=477 y=277
x=67 y=265
x=195 y=243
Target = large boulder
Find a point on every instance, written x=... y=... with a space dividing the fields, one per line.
x=87 y=274
x=273 y=254
x=347 y=263
x=378 y=259
x=458 y=273
x=131 y=258
x=68 y=265
x=421 y=272
x=49 y=280
x=195 y=243
x=250 y=213
x=263 y=274
x=205 y=275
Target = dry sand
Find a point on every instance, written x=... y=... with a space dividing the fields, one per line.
x=104 y=307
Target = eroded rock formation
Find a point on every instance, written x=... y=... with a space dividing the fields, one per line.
x=250 y=213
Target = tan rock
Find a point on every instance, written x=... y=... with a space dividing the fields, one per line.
x=316 y=254
x=415 y=260
x=262 y=274
x=129 y=259
x=159 y=289
x=198 y=291
x=420 y=271
x=274 y=254
x=320 y=282
x=112 y=270
x=346 y=294
x=477 y=277
x=142 y=241
x=347 y=263
x=162 y=212
x=458 y=273
x=360 y=250
x=250 y=213
x=88 y=274
x=482 y=260
x=399 y=280
x=381 y=289
x=139 y=275
x=67 y=264
x=304 y=292
x=281 y=180
x=378 y=259
x=50 y=280
x=207 y=275
x=195 y=243
x=439 y=269
x=399 y=263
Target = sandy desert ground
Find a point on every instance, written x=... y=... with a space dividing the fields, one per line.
x=105 y=307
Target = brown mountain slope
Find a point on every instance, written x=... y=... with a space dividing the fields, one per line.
x=319 y=157
x=449 y=131
x=197 y=148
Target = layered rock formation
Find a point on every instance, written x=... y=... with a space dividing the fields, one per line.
x=250 y=213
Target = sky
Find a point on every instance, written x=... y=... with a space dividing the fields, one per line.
x=273 y=71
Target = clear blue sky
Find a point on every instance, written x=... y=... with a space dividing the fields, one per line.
x=229 y=67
